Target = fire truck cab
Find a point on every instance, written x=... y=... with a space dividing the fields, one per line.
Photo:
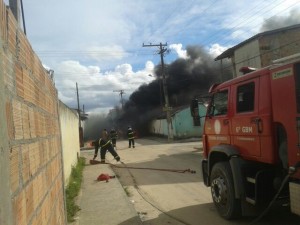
x=251 y=140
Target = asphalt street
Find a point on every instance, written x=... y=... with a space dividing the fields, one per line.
x=152 y=182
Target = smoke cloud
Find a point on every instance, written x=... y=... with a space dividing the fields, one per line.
x=185 y=77
x=277 y=22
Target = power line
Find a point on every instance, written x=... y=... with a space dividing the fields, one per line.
x=251 y=18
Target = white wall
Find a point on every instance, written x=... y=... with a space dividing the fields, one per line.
x=69 y=125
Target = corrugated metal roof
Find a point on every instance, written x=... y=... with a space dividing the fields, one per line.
x=229 y=52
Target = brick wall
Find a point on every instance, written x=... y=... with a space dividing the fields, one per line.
x=31 y=152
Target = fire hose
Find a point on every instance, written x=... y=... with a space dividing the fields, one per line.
x=143 y=168
x=292 y=170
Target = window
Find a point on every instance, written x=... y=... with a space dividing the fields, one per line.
x=245 y=97
x=219 y=104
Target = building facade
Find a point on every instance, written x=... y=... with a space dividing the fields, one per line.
x=262 y=49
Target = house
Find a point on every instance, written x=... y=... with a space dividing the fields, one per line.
x=182 y=123
x=260 y=50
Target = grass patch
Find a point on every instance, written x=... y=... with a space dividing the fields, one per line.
x=73 y=189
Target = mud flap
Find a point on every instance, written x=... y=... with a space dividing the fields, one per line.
x=239 y=186
x=295 y=197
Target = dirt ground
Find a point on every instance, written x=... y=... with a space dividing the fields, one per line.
x=161 y=196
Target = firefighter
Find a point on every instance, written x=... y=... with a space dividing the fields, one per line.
x=113 y=137
x=130 y=135
x=105 y=145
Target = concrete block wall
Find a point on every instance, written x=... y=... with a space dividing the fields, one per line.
x=31 y=168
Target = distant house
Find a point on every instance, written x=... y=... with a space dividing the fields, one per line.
x=182 y=122
x=260 y=50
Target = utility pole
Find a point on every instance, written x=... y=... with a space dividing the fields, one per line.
x=167 y=107
x=78 y=107
x=79 y=114
x=121 y=95
x=15 y=6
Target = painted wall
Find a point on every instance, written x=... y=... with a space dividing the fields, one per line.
x=260 y=52
x=31 y=171
x=69 y=126
x=279 y=45
x=183 y=126
x=247 y=55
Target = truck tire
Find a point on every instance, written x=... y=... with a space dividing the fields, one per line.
x=222 y=190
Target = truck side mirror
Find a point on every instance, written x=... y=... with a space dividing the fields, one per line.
x=194 y=108
x=195 y=112
x=211 y=109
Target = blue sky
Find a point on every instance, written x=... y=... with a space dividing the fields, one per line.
x=98 y=43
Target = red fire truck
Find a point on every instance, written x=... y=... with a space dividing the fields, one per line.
x=251 y=140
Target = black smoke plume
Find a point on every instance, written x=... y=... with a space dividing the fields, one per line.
x=185 y=79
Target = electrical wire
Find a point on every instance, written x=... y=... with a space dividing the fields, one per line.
x=276 y=14
x=246 y=20
x=199 y=14
x=139 y=52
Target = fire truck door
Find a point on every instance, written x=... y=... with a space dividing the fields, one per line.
x=247 y=125
x=217 y=122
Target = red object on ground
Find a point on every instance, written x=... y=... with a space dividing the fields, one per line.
x=104 y=177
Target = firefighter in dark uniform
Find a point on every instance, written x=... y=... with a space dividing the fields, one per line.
x=113 y=137
x=105 y=145
x=130 y=135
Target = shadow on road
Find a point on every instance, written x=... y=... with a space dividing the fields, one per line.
x=206 y=214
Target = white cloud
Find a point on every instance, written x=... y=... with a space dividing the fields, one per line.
x=96 y=88
x=180 y=52
x=216 y=49
x=106 y=53
x=124 y=69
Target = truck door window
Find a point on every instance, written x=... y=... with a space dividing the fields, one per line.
x=218 y=104
x=245 y=97
x=297 y=82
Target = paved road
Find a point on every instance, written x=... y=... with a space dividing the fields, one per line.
x=162 y=197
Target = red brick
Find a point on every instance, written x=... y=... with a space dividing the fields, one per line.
x=19 y=80
x=9 y=120
x=17 y=120
x=19 y=209
x=32 y=123
x=25 y=121
x=11 y=31
x=14 y=168
x=25 y=163
x=29 y=201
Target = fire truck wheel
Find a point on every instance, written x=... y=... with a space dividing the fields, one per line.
x=222 y=190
